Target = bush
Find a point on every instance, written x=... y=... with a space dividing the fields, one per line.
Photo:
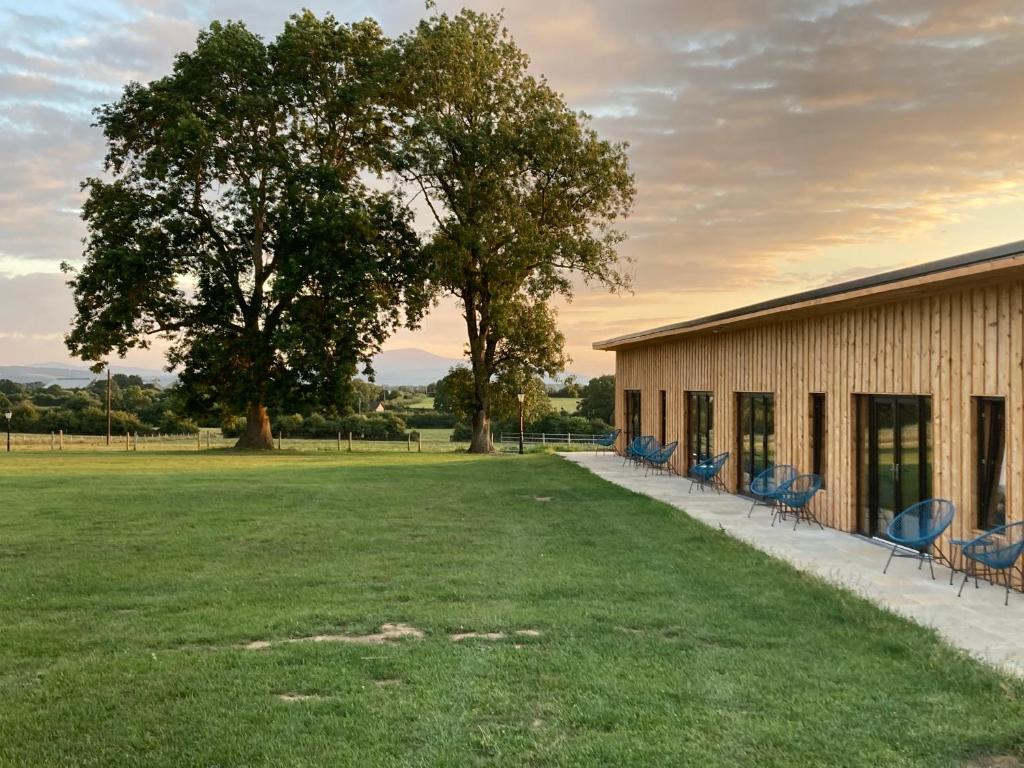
x=419 y=419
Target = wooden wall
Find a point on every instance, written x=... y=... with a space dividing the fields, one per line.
x=952 y=345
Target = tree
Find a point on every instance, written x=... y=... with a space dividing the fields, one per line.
x=235 y=221
x=454 y=393
x=599 y=399
x=523 y=194
x=505 y=398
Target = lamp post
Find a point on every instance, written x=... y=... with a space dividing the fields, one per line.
x=521 y=397
x=7 y=416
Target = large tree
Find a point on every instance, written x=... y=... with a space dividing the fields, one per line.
x=235 y=220
x=524 y=195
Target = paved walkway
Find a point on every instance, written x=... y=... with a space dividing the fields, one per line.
x=977 y=622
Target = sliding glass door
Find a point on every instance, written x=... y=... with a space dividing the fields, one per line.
x=700 y=426
x=756 y=435
x=631 y=425
x=894 y=445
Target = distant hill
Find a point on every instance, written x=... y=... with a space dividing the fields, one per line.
x=415 y=367
x=395 y=367
x=74 y=376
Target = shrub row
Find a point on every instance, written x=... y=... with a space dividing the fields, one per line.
x=371 y=426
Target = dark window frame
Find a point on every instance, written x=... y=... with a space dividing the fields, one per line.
x=819 y=436
x=632 y=423
x=746 y=445
x=989 y=460
x=700 y=432
x=663 y=405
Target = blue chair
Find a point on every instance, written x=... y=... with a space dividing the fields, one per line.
x=917 y=528
x=766 y=483
x=606 y=441
x=659 y=461
x=709 y=472
x=994 y=551
x=794 y=498
x=640 y=448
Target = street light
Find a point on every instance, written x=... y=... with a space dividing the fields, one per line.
x=521 y=397
x=8 y=417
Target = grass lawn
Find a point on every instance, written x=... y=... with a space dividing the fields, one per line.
x=129 y=584
x=568 y=404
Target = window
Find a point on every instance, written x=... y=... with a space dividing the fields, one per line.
x=755 y=429
x=664 y=416
x=700 y=420
x=991 y=462
x=632 y=424
x=819 y=436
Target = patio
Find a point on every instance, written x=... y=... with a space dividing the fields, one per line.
x=978 y=622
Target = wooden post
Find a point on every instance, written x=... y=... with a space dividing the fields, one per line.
x=280 y=437
x=61 y=440
x=51 y=441
x=127 y=440
x=199 y=441
x=419 y=442
x=410 y=442
x=339 y=442
x=135 y=442
x=350 y=442
x=568 y=438
x=207 y=439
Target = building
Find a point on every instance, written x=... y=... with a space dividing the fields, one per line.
x=894 y=388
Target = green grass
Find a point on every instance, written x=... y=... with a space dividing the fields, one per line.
x=423 y=402
x=129 y=581
x=568 y=404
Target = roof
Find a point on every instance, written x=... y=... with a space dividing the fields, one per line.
x=1010 y=254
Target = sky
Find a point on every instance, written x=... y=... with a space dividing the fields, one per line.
x=777 y=146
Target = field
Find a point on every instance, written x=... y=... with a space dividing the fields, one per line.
x=159 y=609
x=567 y=404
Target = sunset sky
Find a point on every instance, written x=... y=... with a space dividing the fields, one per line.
x=777 y=146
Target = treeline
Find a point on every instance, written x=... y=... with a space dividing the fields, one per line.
x=135 y=407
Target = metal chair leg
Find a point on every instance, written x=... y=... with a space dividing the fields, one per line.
x=887 y=562
x=963 y=584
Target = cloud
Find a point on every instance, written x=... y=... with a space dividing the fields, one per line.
x=766 y=135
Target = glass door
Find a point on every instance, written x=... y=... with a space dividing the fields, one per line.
x=632 y=423
x=700 y=426
x=895 y=454
x=756 y=436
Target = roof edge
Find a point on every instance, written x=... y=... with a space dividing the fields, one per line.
x=994 y=253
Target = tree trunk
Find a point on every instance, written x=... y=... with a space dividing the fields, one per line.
x=481 y=442
x=257 y=435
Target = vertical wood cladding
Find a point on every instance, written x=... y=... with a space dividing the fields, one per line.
x=951 y=346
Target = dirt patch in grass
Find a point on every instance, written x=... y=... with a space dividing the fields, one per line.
x=387 y=682
x=292 y=697
x=386 y=634
x=460 y=636
x=995 y=761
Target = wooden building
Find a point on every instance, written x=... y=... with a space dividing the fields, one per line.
x=895 y=388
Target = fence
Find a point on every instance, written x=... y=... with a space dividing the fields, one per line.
x=549 y=438
x=428 y=441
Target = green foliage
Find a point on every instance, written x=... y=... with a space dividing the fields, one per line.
x=136 y=407
x=505 y=400
x=523 y=194
x=454 y=393
x=571 y=387
x=599 y=399
x=242 y=174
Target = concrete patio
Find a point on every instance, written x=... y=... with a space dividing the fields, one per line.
x=978 y=622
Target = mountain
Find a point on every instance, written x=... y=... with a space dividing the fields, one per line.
x=395 y=367
x=417 y=367
x=74 y=376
